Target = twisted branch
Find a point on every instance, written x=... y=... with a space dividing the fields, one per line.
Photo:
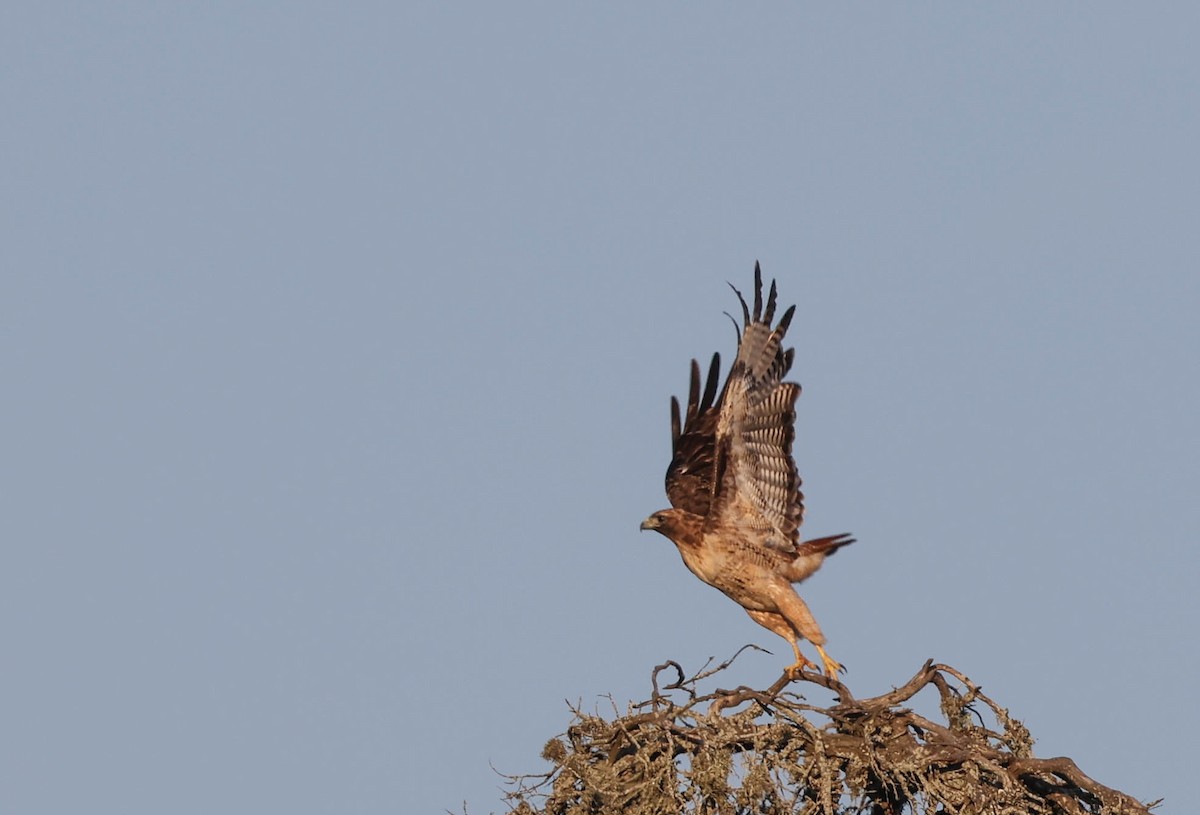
x=749 y=751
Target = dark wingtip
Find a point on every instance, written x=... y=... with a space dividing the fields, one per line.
x=757 y=292
x=737 y=329
x=693 y=402
x=745 y=308
x=786 y=320
x=675 y=428
x=710 y=386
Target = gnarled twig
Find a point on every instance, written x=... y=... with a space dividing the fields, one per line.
x=747 y=751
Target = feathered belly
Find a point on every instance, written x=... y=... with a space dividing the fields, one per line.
x=748 y=581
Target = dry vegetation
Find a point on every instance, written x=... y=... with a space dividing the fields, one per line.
x=744 y=751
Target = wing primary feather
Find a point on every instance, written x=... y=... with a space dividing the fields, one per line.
x=786 y=319
x=693 y=392
x=710 y=387
x=745 y=309
x=737 y=329
x=757 y=292
x=770 y=312
x=675 y=429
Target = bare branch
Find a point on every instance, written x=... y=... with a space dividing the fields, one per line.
x=749 y=751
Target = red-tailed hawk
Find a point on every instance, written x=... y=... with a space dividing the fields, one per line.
x=736 y=505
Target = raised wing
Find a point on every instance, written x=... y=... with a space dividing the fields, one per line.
x=757 y=487
x=693 y=445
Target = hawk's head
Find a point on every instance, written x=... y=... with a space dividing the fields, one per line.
x=655 y=521
x=682 y=527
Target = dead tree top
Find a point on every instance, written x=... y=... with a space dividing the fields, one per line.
x=770 y=751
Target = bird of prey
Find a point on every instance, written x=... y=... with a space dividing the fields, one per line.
x=736 y=505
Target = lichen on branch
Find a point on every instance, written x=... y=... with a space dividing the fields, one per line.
x=745 y=751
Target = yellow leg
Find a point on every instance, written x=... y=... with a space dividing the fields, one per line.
x=794 y=670
x=832 y=667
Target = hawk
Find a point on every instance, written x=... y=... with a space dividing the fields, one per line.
x=736 y=505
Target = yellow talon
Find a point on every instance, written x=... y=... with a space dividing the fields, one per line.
x=795 y=669
x=832 y=666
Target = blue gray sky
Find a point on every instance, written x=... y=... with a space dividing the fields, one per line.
x=337 y=342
